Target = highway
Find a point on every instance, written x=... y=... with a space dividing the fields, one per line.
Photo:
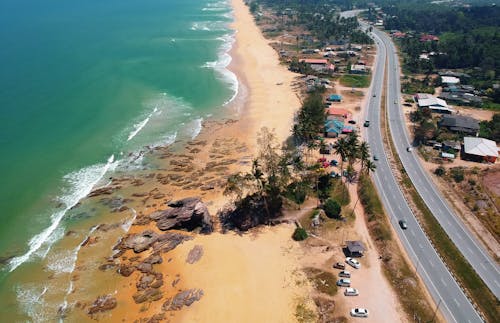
x=472 y=250
x=448 y=296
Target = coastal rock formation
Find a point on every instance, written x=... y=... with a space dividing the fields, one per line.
x=149 y=295
x=169 y=240
x=188 y=213
x=184 y=298
x=194 y=254
x=140 y=242
x=102 y=304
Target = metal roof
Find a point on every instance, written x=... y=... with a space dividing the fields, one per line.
x=480 y=147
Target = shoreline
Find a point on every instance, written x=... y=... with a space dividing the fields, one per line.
x=230 y=145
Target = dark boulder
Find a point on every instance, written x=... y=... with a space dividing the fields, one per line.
x=102 y=304
x=189 y=213
x=141 y=241
x=184 y=298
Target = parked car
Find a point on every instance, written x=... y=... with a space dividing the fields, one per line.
x=349 y=291
x=344 y=282
x=333 y=162
x=367 y=123
x=359 y=312
x=352 y=121
x=403 y=224
x=339 y=265
x=345 y=273
x=353 y=262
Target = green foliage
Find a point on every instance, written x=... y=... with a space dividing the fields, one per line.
x=299 y=234
x=332 y=209
x=490 y=129
x=254 y=7
x=457 y=173
x=361 y=81
x=310 y=119
x=440 y=171
x=373 y=207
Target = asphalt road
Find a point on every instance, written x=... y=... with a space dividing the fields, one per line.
x=472 y=250
x=450 y=299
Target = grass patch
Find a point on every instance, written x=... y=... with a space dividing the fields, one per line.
x=355 y=80
x=323 y=281
x=339 y=192
x=305 y=314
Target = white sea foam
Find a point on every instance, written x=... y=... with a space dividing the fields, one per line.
x=80 y=184
x=220 y=66
x=197 y=127
x=32 y=301
x=128 y=224
x=209 y=25
x=138 y=126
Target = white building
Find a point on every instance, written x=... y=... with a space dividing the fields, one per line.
x=450 y=80
x=436 y=105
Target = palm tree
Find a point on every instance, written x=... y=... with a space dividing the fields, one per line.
x=341 y=148
x=364 y=153
x=370 y=166
x=352 y=147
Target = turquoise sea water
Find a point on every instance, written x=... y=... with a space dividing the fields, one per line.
x=83 y=84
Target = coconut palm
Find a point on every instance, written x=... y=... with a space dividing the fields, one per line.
x=364 y=153
x=370 y=166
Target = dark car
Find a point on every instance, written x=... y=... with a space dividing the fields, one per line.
x=339 y=265
x=375 y=157
x=352 y=121
x=403 y=224
x=367 y=123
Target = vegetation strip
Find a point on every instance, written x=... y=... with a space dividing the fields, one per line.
x=461 y=270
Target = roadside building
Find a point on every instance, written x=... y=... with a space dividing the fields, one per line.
x=460 y=97
x=338 y=114
x=355 y=248
x=333 y=128
x=317 y=64
x=335 y=98
x=428 y=38
x=480 y=149
x=461 y=124
x=436 y=105
x=450 y=145
x=450 y=80
x=359 y=69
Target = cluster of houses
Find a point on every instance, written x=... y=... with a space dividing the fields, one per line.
x=457 y=93
x=474 y=148
x=338 y=120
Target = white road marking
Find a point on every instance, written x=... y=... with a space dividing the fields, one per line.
x=443 y=282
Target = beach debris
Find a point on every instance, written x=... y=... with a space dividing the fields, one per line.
x=102 y=304
x=184 y=298
x=189 y=213
x=194 y=254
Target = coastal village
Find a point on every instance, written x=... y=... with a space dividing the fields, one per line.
x=193 y=252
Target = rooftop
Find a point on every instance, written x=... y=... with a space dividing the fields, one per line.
x=460 y=123
x=355 y=246
x=480 y=147
x=314 y=61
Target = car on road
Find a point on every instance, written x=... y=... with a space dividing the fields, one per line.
x=349 y=291
x=403 y=224
x=353 y=262
x=374 y=95
x=345 y=273
x=344 y=282
x=395 y=101
x=367 y=123
x=339 y=265
x=359 y=312
x=408 y=148
x=375 y=157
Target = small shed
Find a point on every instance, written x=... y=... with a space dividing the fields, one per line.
x=355 y=248
x=335 y=98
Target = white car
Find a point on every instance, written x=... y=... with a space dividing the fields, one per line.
x=349 y=291
x=353 y=262
x=344 y=282
x=359 y=312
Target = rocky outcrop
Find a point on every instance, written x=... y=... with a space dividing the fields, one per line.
x=189 y=213
x=184 y=298
x=149 y=295
x=194 y=254
x=169 y=240
x=102 y=304
x=140 y=242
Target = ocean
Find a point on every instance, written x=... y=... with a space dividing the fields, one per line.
x=85 y=88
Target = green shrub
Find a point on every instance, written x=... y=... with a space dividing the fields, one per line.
x=332 y=209
x=299 y=234
x=440 y=171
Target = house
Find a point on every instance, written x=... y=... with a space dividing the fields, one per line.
x=398 y=34
x=428 y=38
x=319 y=65
x=338 y=114
x=335 y=98
x=458 y=123
x=333 y=128
x=355 y=248
x=436 y=105
x=451 y=145
x=457 y=96
x=480 y=149
x=450 y=80
x=358 y=69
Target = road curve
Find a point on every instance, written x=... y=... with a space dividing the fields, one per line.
x=451 y=300
x=472 y=250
